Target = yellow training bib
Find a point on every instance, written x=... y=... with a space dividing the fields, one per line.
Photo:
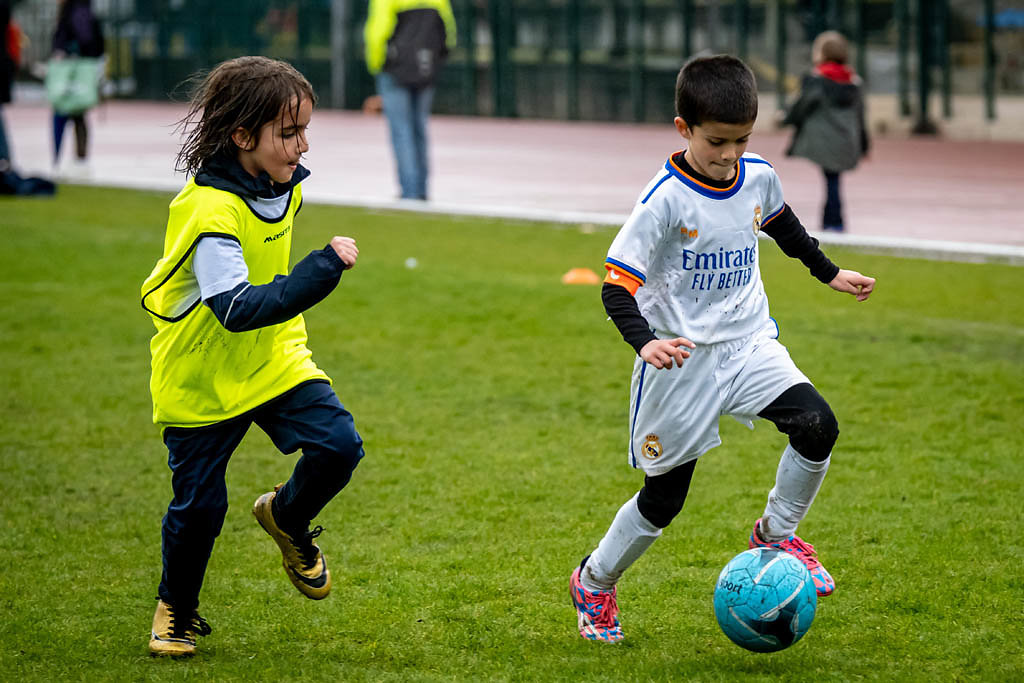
x=202 y=373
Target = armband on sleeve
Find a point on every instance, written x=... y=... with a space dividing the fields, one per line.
x=617 y=275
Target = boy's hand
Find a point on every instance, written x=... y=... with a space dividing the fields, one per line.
x=852 y=282
x=661 y=352
x=345 y=248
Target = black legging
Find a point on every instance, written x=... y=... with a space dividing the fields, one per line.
x=800 y=413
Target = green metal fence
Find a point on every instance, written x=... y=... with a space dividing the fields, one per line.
x=611 y=60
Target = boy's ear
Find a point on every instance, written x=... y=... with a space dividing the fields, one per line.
x=242 y=138
x=681 y=126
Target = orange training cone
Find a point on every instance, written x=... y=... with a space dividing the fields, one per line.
x=581 y=276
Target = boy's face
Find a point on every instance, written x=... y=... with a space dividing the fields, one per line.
x=278 y=145
x=715 y=147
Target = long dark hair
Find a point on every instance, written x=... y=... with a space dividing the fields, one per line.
x=245 y=92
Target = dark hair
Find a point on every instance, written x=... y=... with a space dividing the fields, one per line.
x=718 y=88
x=245 y=92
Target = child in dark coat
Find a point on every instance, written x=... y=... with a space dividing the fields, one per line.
x=829 y=120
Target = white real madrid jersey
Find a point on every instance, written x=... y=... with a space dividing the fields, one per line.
x=694 y=250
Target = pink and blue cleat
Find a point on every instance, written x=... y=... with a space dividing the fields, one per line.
x=597 y=611
x=824 y=584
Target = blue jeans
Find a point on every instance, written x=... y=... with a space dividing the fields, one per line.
x=309 y=417
x=407 y=111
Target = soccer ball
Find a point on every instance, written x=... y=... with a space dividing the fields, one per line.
x=765 y=600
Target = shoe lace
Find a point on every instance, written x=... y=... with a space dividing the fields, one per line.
x=180 y=628
x=805 y=550
x=606 y=609
x=307 y=550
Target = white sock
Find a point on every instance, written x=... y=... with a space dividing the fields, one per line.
x=626 y=540
x=796 y=484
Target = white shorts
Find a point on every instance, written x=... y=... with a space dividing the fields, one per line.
x=674 y=413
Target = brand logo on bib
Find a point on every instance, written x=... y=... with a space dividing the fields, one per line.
x=279 y=235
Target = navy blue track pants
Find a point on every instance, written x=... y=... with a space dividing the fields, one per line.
x=309 y=417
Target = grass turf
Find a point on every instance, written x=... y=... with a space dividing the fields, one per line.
x=493 y=402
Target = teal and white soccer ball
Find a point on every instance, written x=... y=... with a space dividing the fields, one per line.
x=765 y=600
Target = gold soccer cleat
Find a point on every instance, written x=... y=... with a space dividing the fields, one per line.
x=302 y=559
x=173 y=634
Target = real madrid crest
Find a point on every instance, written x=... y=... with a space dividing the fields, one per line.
x=652 y=447
x=757 y=219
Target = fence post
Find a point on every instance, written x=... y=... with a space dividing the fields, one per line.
x=942 y=27
x=902 y=48
x=925 y=50
x=572 y=18
x=339 y=34
x=780 y=53
x=860 y=40
x=636 y=71
x=501 y=79
x=742 y=9
x=687 y=10
x=990 y=60
x=466 y=29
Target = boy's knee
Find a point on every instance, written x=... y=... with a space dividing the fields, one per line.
x=802 y=414
x=816 y=432
x=659 y=506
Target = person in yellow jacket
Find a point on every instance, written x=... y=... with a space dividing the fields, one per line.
x=407 y=42
x=230 y=344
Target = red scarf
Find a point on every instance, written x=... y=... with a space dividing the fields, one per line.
x=834 y=71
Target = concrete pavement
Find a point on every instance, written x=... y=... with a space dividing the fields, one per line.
x=950 y=198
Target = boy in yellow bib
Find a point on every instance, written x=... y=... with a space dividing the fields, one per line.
x=230 y=343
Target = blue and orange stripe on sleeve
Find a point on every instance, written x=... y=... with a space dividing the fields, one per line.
x=772 y=217
x=622 y=275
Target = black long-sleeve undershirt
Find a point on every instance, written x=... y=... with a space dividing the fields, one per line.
x=249 y=307
x=622 y=308
x=787 y=232
x=794 y=241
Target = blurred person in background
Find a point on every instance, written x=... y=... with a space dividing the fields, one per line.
x=8 y=67
x=12 y=183
x=78 y=34
x=829 y=120
x=407 y=42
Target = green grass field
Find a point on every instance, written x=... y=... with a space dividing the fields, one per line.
x=493 y=401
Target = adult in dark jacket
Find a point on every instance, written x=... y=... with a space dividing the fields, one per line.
x=78 y=34
x=829 y=120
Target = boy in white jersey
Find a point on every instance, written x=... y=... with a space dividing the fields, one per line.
x=684 y=289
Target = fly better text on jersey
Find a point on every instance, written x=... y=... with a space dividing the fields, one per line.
x=729 y=267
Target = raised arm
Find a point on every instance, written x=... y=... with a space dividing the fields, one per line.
x=240 y=306
x=792 y=238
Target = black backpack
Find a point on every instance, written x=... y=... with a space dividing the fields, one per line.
x=417 y=49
